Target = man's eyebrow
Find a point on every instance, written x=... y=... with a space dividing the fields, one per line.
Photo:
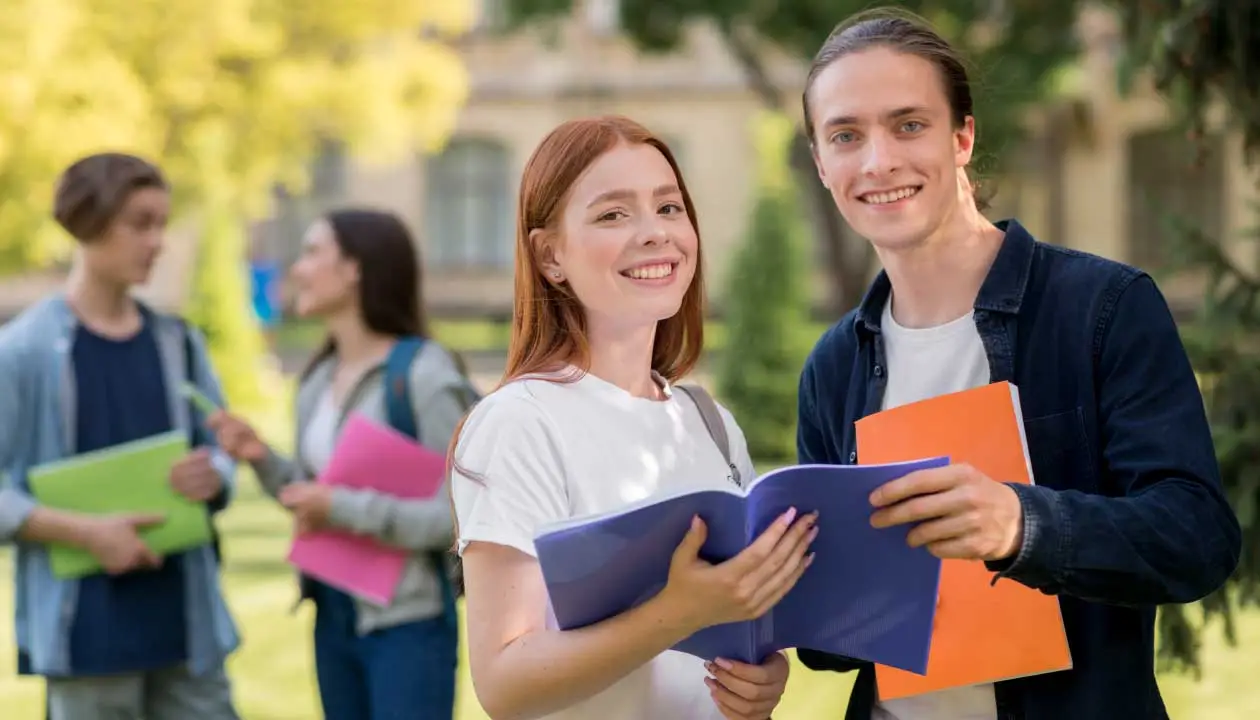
x=891 y=115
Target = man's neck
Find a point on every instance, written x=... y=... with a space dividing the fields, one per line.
x=624 y=357
x=104 y=306
x=939 y=280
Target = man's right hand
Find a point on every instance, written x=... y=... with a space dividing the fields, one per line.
x=115 y=542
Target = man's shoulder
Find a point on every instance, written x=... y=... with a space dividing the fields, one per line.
x=37 y=327
x=1081 y=274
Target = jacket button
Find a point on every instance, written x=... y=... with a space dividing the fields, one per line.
x=879 y=371
x=852 y=457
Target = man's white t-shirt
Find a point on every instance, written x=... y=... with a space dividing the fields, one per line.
x=545 y=451
x=921 y=364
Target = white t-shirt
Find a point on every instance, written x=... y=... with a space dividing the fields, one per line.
x=547 y=451
x=925 y=363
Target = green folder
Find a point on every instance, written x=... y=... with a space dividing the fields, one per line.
x=132 y=477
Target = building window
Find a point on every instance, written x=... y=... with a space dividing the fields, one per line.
x=468 y=206
x=1170 y=184
x=281 y=237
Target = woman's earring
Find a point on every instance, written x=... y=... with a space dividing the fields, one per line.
x=555 y=275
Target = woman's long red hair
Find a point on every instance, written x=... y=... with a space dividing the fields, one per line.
x=548 y=322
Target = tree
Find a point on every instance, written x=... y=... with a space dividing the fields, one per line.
x=768 y=305
x=1200 y=55
x=231 y=99
x=1016 y=49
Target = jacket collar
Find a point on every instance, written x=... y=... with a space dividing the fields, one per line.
x=1002 y=291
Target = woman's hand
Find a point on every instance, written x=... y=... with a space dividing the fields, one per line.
x=310 y=504
x=748 y=692
x=747 y=585
x=236 y=437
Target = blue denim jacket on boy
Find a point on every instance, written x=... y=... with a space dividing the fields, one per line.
x=37 y=421
x=1128 y=512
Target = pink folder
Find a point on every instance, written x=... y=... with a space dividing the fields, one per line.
x=374 y=457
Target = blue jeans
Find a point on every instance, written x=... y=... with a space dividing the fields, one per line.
x=405 y=672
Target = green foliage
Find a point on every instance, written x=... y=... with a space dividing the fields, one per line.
x=231 y=99
x=1198 y=53
x=220 y=307
x=767 y=309
x=1201 y=54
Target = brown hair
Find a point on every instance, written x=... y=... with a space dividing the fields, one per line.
x=93 y=190
x=390 y=293
x=548 y=324
x=905 y=32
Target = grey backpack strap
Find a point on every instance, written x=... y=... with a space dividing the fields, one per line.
x=713 y=421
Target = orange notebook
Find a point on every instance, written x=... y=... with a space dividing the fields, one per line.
x=983 y=632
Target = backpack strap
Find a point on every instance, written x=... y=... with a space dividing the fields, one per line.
x=402 y=417
x=713 y=422
x=398 y=408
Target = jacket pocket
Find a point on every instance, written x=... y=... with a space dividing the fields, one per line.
x=1059 y=451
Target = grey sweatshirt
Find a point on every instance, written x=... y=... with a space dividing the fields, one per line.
x=440 y=396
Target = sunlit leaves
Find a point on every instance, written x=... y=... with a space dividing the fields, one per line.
x=229 y=96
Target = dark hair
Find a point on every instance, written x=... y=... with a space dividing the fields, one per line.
x=905 y=32
x=389 y=273
x=93 y=190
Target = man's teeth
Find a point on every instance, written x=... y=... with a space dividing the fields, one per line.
x=651 y=272
x=887 y=197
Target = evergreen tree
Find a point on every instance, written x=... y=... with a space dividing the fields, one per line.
x=1202 y=54
x=767 y=306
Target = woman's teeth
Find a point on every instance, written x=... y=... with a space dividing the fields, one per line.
x=650 y=272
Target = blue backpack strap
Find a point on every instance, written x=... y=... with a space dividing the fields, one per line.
x=398 y=408
x=402 y=417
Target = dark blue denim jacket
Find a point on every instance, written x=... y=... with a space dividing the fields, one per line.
x=1128 y=511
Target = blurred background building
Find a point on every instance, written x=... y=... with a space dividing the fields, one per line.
x=1087 y=177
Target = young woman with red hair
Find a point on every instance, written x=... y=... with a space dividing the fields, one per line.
x=608 y=314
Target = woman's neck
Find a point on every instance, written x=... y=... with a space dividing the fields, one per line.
x=356 y=344
x=623 y=357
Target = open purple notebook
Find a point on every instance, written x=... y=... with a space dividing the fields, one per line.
x=867 y=596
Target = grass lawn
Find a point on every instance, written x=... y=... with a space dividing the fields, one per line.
x=274 y=679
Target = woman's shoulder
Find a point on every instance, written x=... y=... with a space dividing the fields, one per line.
x=515 y=403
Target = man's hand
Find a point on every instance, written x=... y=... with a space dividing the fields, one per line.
x=116 y=544
x=958 y=512
x=195 y=478
x=748 y=692
x=310 y=504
